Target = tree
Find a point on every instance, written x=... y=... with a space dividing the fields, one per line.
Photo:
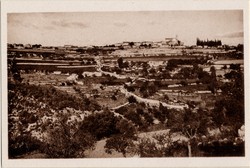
x=113 y=97
x=80 y=76
x=145 y=67
x=120 y=62
x=129 y=88
x=171 y=65
x=122 y=141
x=125 y=64
x=235 y=66
x=152 y=71
x=100 y=125
x=231 y=106
x=15 y=71
x=152 y=88
x=166 y=75
x=204 y=77
x=132 y=99
x=184 y=83
x=131 y=44
x=240 y=47
x=210 y=43
x=213 y=84
x=224 y=67
x=136 y=118
x=118 y=143
x=156 y=146
x=213 y=72
x=189 y=123
x=186 y=73
x=65 y=141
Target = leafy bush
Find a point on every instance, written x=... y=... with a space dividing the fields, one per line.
x=63 y=144
x=30 y=107
x=56 y=99
x=122 y=141
x=218 y=148
x=22 y=144
x=100 y=125
x=132 y=99
x=162 y=145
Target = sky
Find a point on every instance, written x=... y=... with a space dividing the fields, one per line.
x=104 y=28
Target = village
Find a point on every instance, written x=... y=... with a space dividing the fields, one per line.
x=135 y=65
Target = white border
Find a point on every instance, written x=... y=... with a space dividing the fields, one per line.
x=12 y=6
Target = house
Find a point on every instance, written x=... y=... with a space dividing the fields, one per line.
x=159 y=43
x=118 y=44
x=27 y=46
x=137 y=44
x=173 y=42
x=126 y=45
x=18 y=46
x=10 y=45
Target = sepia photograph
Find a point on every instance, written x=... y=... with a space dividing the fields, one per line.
x=125 y=84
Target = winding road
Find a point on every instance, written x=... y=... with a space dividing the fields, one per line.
x=150 y=102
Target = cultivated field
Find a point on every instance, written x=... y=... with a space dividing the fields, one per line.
x=168 y=102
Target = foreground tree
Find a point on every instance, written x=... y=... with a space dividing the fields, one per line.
x=155 y=146
x=123 y=141
x=229 y=110
x=100 y=125
x=192 y=124
x=13 y=69
x=67 y=141
x=120 y=62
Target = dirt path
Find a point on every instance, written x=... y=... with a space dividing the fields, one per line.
x=99 y=151
x=150 y=102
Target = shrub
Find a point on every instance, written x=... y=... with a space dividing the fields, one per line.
x=132 y=99
x=122 y=141
x=100 y=125
x=22 y=144
x=65 y=141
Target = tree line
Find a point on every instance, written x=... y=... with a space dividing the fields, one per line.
x=209 y=43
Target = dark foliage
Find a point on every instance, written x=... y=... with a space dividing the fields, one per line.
x=217 y=149
x=209 y=43
x=100 y=125
x=122 y=141
x=54 y=98
x=230 y=108
x=132 y=99
x=25 y=103
x=173 y=63
x=22 y=144
x=65 y=142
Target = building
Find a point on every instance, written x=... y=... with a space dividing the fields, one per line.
x=18 y=46
x=173 y=42
x=28 y=46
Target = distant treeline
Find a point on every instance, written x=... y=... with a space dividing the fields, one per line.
x=209 y=43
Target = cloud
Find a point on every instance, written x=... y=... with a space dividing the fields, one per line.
x=49 y=27
x=120 y=24
x=18 y=23
x=152 y=22
x=13 y=21
x=232 y=34
x=33 y=26
x=69 y=24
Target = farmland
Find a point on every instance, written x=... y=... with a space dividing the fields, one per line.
x=63 y=108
